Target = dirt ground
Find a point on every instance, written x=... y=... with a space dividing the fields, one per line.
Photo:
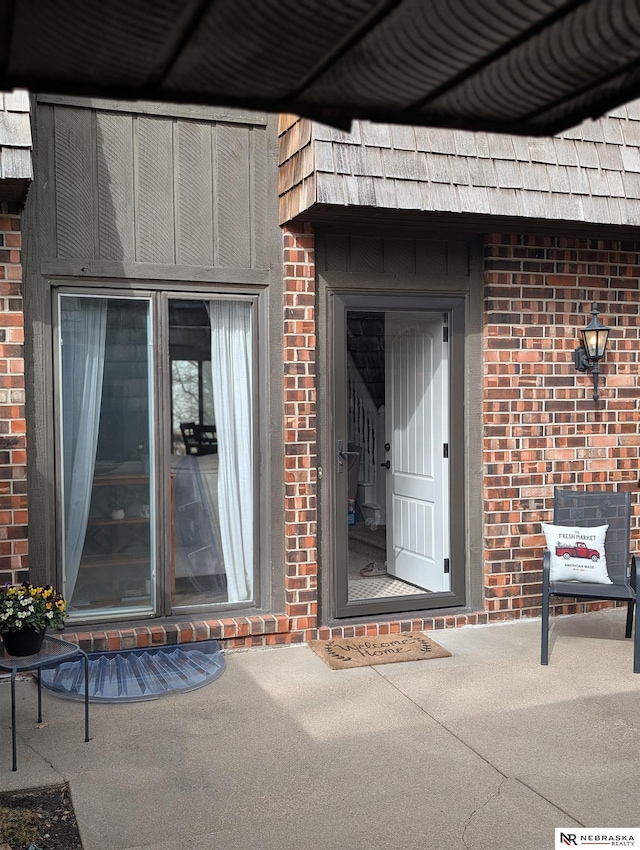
x=42 y=817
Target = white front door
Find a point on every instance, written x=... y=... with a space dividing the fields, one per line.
x=416 y=444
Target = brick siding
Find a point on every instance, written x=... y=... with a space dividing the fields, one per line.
x=541 y=428
x=541 y=425
x=301 y=567
x=13 y=479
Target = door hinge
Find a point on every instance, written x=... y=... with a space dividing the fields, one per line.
x=447 y=566
x=445 y=333
x=445 y=450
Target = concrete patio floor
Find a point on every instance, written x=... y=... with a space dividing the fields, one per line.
x=486 y=749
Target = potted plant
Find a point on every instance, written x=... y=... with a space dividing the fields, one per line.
x=118 y=502
x=25 y=612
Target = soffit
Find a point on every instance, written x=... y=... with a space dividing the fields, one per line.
x=530 y=67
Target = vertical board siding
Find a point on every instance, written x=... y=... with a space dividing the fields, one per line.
x=75 y=183
x=44 y=161
x=431 y=256
x=260 y=199
x=194 y=194
x=336 y=253
x=125 y=187
x=233 y=219
x=458 y=258
x=366 y=254
x=395 y=256
x=114 y=155
x=154 y=191
x=400 y=256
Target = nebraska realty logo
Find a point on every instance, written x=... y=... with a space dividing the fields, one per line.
x=615 y=837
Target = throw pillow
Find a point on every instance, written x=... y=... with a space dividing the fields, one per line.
x=577 y=554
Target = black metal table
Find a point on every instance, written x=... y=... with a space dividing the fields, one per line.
x=53 y=652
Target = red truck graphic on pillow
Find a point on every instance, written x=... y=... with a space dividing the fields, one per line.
x=578 y=550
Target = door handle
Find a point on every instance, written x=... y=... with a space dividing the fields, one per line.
x=386 y=464
x=343 y=454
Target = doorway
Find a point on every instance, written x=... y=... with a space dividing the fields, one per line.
x=396 y=546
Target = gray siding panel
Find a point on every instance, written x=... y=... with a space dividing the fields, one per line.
x=395 y=255
x=194 y=194
x=233 y=221
x=154 y=191
x=431 y=257
x=366 y=254
x=336 y=253
x=116 y=228
x=44 y=163
x=161 y=190
x=75 y=183
x=458 y=258
x=400 y=256
x=261 y=199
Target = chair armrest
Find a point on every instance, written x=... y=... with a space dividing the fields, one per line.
x=546 y=568
x=635 y=572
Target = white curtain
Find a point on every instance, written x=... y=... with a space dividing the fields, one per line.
x=84 y=323
x=232 y=400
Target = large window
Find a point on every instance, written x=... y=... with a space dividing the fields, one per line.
x=157 y=498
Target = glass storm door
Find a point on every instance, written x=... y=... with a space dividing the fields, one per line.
x=108 y=512
x=210 y=351
x=156 y=487
x=392 y=538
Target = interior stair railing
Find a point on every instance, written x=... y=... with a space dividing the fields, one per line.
x=363 y=429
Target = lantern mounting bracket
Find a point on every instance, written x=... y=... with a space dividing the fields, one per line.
x=580 y=359
x=591 y=350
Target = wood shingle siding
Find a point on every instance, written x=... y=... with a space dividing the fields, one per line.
x=589 y=174
x=16 y=168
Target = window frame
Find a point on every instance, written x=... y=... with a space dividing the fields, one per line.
x=161 y=427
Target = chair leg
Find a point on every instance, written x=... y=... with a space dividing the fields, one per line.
x=544 y=649
x=630 y=606
x=635 y=583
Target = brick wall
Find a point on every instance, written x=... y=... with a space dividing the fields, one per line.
x=541 y=428
x=13 y=482
x=301 y=568
x=541 y=425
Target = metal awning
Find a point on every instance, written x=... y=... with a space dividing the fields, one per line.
x=530 y=67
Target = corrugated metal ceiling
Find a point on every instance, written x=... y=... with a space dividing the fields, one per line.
x=529 y=67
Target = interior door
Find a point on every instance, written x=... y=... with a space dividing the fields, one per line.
x=417 y=482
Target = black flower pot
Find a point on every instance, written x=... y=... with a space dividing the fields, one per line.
x=25 y=641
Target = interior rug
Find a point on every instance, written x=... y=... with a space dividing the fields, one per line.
x=378 y=649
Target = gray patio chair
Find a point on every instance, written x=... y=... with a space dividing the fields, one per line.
x=582 y=508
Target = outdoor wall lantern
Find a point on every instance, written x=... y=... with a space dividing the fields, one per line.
x=592 y=346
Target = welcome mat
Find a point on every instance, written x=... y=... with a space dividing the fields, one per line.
x=379 y=649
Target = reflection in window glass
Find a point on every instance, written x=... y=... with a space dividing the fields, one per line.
x=210 y=346
x=191 y=396
x=108 y=515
